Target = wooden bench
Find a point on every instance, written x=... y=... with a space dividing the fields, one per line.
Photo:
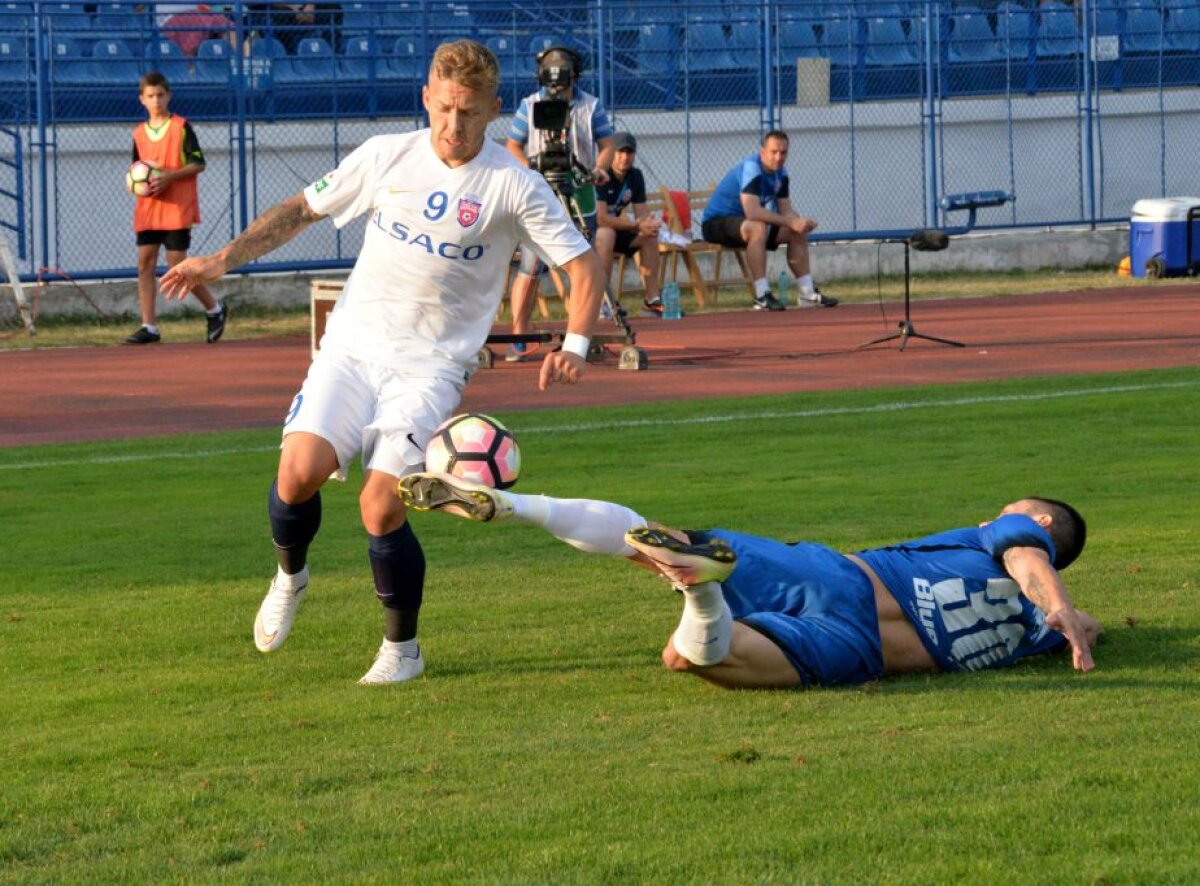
x=679 y=209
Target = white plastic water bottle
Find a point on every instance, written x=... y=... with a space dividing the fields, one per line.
x=672 y=309
x=782 y=292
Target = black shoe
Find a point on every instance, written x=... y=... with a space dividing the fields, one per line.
x=216 y=324
x=143 y=336
x=767 y=302
x=817 y=299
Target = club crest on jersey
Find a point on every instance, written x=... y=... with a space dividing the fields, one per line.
x=468 y=211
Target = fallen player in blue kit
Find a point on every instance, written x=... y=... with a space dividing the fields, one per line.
x=762 y=613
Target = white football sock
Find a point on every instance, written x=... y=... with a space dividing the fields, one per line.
x=290 y=582
x=760 y=287
x=706 y=626
x=216 y=310
x=596 y=527
x=151 y=327
x=406 y=648
x=806 y=284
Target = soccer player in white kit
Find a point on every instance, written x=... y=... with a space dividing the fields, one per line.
x=445 y=208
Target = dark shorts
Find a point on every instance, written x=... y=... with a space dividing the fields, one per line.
x=624 y=244
x=175 y=241
x=812 y=602
x=727 y=231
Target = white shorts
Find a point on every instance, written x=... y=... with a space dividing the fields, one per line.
x=386 y=415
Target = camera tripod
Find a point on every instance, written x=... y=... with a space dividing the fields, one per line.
x=562 y=182
x=922 y=241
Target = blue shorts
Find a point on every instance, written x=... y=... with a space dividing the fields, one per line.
x=812 y=602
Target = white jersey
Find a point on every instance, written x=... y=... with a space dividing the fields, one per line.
x=437 y=247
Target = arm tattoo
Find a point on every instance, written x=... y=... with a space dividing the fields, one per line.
x=272 y=229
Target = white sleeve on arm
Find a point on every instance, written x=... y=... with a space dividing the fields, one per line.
x=347 y=192
x=543 y=224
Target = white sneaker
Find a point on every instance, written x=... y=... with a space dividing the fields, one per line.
x=392 y=667
x=444 y=492
x=274 y=620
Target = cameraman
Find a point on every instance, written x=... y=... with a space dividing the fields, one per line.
x=590 y=146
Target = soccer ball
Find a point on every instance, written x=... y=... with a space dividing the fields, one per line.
x=477 y=448
x=137 y=179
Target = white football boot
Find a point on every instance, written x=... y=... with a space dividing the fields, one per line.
x=444 y=492
x=274 y=620
x=393 y=667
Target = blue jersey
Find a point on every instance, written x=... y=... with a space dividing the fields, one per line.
x=748 y=177
x=953 y=587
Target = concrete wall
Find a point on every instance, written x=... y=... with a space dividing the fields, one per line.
x=1010 y=250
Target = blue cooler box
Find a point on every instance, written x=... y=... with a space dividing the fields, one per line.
x=1158 y=233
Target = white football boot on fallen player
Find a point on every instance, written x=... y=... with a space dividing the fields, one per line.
x=274 y=620
x=392 y=666
x=681 y=562
x=444 y=492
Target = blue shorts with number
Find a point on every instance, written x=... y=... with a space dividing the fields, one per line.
x=812 y=602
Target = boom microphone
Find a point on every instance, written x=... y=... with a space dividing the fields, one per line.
x=929 y=240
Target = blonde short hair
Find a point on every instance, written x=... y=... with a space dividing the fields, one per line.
x=467 y=63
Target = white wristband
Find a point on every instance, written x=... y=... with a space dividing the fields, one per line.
x=576 y=344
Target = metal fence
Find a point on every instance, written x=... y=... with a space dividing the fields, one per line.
x=1076 y=110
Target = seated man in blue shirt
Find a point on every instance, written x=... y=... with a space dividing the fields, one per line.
x=759 y=613
x=751 y=209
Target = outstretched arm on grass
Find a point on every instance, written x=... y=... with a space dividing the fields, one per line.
x=1040 y=582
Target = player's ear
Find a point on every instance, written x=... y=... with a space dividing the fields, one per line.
x=495 y=109
x=1043 y=520
x=425 y=96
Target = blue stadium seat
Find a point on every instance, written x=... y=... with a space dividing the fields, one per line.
x=839 y=41
x=400 y=19
x=167 y=58
x=67 y=17
x=214 y=62
x=313 y=62
x=1144 y=32
x=657 y=48
x=70 y=66
x=357 y=19
x=887 y=44
x=1014 y=30
x=798 y=38
x=14 y=61
x=745 y=41
x=115 y=64
x=971 y=38
x=1058 y=33
x=1108 y=22
x=508 y=54
x=407 y=61
x=708 y=48
x=1183 y=28
x=120 y=23
x=362 y=59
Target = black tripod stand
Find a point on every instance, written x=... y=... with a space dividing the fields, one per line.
x=922 y=241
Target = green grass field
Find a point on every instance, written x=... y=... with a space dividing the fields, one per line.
x=145 y=739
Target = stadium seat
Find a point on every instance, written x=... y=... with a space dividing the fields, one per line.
x=887 y=44
x=313 y=63
x=657 y=48
x=798 y=39
x=1014 y=30
x=1183 y=28
x=67 y=17
x=839 y=42
x=1144 y=32
x=167 y=58
x=972 y=39
x=1058 y=33
x=14 y=61
x=358 y=19
x=407 y=61
x=745 y=43
x=69 y=65
x=114 y=64
x=214 y=62
x=508 y=55
x=362 y=60
x=708 y=48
